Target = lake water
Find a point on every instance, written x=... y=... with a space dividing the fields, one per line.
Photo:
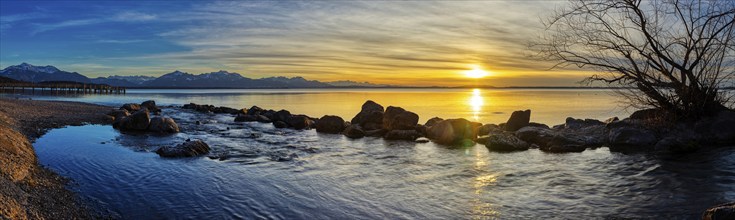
x=549 y=106
x=258 y=172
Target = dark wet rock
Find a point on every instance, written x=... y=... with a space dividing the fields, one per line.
x=538 y=125
x=396 y=118
x=408 y=135
x=282 y=115
x=554 y=140
x=646 y=114
x=421 y=129
x=150 y=105
x=564 y=143
x=131 y=107
x=375 y=133
x=137 y=121
x=255 y=110
x=246 y=118
x=611 y=120
x=262 y=119
x=330 y=124
x=518 y=120
x=719 y=129
x=489 y=128
x=370 y=116
x=225 y=110
x=243 y=111
x=720 y=212
x=685 y=143
x=354 y=131
x=163 y=125
x=535 y=135
x=186 y=149
x=505 y=142
x=280 y=124
x=572 y=123
x=300 y=122
x=631 y=138
x=453 y=131
x=433 y=121
x=118 y=113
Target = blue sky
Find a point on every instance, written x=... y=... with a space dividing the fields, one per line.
x=397 y=42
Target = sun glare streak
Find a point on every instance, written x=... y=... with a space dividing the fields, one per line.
x=476 y=102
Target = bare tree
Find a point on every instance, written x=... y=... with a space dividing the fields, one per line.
x=675 y=55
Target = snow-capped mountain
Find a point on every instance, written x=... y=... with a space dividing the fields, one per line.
x=30 y=73
x=125 y=81
x=350 y=83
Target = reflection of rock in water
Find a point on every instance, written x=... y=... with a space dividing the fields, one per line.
x=242 y=142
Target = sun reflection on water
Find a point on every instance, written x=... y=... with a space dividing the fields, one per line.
x=476 y=102
x=480 y=208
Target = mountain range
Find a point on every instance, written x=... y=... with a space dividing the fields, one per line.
x=176 y=79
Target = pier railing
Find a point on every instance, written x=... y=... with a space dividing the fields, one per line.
x=59 y=88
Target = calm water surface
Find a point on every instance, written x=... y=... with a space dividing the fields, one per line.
x=549 y=106
x=257 y=171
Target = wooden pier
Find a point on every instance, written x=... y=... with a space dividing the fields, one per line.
x=59 y=88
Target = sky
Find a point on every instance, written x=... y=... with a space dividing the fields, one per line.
x=425 y=43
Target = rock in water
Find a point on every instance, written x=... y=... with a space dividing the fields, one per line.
x=408 y=135
x=300 y=122
x=370 y=116
x=150 y=105
x=282 y=115
x=280 y=124
x=163 y=125
x=131 y=107
x=453 y=131
x=186 y=149
x=396 y=118
x=354 y=131
x=433 y=121
x=505 y=142
x=137 y=121
x=330 y=124
x=631 y=138
x=724 y=211
x=489 y=128
x=518 y=120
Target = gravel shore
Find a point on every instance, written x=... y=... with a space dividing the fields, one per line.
x=28 y=190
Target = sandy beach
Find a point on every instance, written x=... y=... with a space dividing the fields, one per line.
x=28 y=190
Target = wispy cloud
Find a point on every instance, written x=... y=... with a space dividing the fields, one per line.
x=127 y=16
x=370 y=39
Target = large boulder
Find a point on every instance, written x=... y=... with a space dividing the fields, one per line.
x=354 y=131
x=370 y=116
x=131 y=107
x=396 y=118
x=163 y=125
x=225 y=110
x=300 y=122
x=489 y=128
x=505 y=142
x=280 y=124
x=255 y=110
x=186 y=149
x=518 y=120
x=137 y=121
x=330 y=124
x=453 y=131
x=408 y=135
x=720 y=212
x=150 y=105
x=552 y=140
x=433 y=121
x=572 y=123
x=118 y=113
x=262 y=119
x=282 y=115
x=632 y=138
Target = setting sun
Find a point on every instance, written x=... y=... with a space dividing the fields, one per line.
x=476 y=73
